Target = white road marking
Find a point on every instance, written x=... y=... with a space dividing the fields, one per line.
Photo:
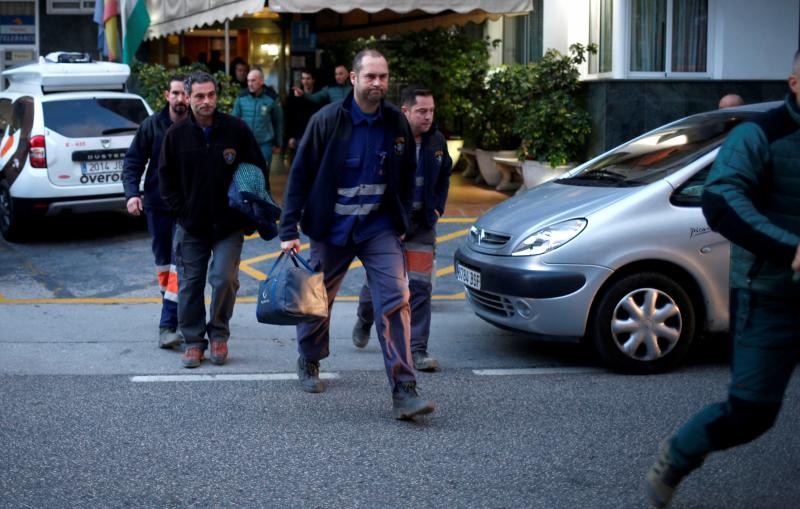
x=258 y=377
x=537 y=371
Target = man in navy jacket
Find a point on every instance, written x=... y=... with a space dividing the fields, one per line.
x=431 y=185
x=146 y=147
x=350 y=187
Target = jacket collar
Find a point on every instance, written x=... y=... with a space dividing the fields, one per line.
x=794 y=110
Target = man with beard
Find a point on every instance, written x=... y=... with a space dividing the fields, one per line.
x=198 y=159
x=350 y=188
x=145 y=148
x=431 y=186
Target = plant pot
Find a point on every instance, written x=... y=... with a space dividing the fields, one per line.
x=452 y=149
x=539 y=172
x=488 y=168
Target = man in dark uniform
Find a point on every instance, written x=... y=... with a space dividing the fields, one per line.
x=431 y=185
x=350 y=188
x=751 y=197
x=198 y=159
x=146 y=147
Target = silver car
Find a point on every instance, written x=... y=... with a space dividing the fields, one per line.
x=616 y=251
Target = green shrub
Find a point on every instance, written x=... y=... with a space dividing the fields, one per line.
x=150 y=82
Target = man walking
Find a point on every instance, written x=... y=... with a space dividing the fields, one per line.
x=751 y=198
x=300 y=111
x=262 y=113
x=143 y=155
x=432 y=182
x=198 y=159
x=330 y=93
x=350 y=188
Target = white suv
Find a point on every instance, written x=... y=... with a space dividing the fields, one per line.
x=66 y=124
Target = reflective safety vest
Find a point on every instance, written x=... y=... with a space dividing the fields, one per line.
x=362 y=183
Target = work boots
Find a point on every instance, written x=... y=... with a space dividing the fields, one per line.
x=663 y=479
x=361 y=333
x=308 y=375
x=407 y=403
x=423 y=361
x=168 y=338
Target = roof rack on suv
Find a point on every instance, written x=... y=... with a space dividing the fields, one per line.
x=65 y=71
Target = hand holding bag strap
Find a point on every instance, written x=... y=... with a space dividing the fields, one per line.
x=296 y=257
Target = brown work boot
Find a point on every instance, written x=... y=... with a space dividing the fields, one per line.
x=219 y=352
x=192 y=357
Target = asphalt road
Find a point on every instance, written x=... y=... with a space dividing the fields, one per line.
x=92 y=414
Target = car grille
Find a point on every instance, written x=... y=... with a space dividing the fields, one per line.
x=488 y=239
x=491 y=302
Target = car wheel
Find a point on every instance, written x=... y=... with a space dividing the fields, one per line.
x=644 y=323
x=10 y=221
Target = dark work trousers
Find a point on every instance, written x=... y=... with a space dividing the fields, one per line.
x=420 y=247
x=162 y=229
x=192 y=255
x=766 y=349
x=384 y=262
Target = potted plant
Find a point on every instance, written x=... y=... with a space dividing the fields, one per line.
x=553 y=126
x=492 y=120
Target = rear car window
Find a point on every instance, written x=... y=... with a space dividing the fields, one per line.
x=659 y=154
x=94 y=117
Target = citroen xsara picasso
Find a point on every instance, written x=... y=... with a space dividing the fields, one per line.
x=616 y=251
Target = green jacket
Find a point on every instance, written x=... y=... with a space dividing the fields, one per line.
x=263 y=115
x=752 y=197
x=329 y=94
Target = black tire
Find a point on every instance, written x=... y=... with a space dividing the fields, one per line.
x=655 y=341
x=11 y=224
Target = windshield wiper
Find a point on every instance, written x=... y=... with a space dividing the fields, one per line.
x=115 y=130
x=601 y=175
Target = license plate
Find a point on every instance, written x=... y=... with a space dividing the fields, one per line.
x=469 y=277
x=111 y=166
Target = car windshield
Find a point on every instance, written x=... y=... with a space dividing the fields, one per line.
x=94 y=117
x=660 y=153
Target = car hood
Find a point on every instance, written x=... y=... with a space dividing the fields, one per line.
x=548 y=204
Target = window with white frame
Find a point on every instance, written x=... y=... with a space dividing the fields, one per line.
x=669 y=36
x=600 y=33
x=70 y=6
x=522 y=36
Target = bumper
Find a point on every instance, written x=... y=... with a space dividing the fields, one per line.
x=521 y=293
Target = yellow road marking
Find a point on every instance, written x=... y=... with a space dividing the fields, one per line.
x=457 y=219
x=245 y=267
x=451 y=236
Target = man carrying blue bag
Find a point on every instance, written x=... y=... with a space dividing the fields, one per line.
x=350 y=187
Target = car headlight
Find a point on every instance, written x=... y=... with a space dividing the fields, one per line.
x=550 y=238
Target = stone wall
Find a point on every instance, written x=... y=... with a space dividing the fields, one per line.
x=622 y=110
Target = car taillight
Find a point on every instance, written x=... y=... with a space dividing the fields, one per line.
x=38 y=153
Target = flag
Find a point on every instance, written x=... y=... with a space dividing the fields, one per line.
x=101 y=33
x=136 y=22
x=111 y=25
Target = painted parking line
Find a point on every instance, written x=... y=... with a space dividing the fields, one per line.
x=254 y=377
x=537 y=371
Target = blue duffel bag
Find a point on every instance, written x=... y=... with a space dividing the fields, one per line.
x=292 y=293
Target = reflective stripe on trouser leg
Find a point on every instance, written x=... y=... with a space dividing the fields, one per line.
x=313 y=337
x=162 y=230
x=223 y=276
x=420 y=248
x=384 y=260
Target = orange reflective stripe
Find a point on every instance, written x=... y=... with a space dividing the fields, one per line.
x=420 y=261
x=172 y=281
x=163 y=279
x=7 y=146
